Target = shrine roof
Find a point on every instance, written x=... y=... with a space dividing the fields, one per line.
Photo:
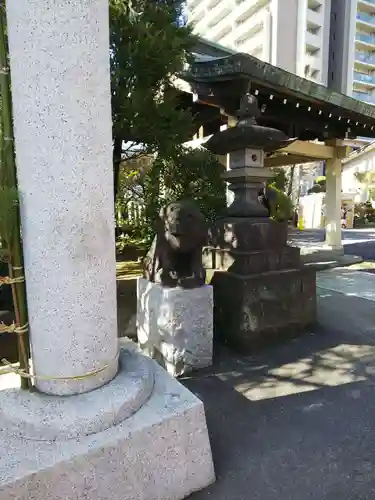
x=222 y=75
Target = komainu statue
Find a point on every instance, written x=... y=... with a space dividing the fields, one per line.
x=175 y=256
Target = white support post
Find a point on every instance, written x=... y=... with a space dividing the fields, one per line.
x=333 y=203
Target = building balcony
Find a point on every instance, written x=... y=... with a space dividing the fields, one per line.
x=192 y=4
x=218 y=11
x=255 y=4
x=246 y=28
x=220 y=31
x=313 y=40
x=363 y=78
x=251 y=44
x=314 y=62
x=197 y=15
x=366 y=18
x=365 y=58
x=315 y=18
x=215 y=24
x=361 y=96
x=362 y=37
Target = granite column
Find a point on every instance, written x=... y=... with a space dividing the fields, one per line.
x=59 y=58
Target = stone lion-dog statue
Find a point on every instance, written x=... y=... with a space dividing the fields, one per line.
x=175 y=256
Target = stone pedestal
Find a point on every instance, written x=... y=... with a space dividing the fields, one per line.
x=175 y=326
x=142 y=436
x=263 y=307
x=262 y=292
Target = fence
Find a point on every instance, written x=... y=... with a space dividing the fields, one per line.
x=133 y=214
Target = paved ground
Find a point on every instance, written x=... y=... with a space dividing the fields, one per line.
x=297 y=421
x=356 y=241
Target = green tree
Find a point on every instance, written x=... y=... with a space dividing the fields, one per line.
x=194 y=174
x=148 y=47
x=190 y=173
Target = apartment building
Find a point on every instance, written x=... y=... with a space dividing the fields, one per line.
x=329 y=41
x=352 y=48
x=291 y=34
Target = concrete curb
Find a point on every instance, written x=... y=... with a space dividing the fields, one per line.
x=322 y=262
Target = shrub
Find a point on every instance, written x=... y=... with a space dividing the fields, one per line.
x=280 y=203
x=279 y=179
x=364 y=213
x=319 y=185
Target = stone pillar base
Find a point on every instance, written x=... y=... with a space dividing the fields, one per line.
x=262 y=291
x=160 y=450
x=255 y=310
x=175 y=326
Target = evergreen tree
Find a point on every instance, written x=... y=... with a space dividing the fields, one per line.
x=149 y=45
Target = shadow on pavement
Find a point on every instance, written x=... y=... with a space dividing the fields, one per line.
x=294 y=422
x=365 y=249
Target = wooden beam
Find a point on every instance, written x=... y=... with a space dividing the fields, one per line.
x=294 y=153
x=285 y=160
x=310 y=149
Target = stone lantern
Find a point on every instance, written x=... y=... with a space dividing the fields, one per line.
x=261 y=289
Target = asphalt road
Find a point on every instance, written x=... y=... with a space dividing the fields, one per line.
x=360 y=242
x=297 y=422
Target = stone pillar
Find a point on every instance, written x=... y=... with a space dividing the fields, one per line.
x=333 y=202
x=59 y=56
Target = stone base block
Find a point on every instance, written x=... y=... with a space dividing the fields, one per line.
x=321 y=253
x=32 y=415
x=162 y=452
x=175 y=326
x=249 y=234
x=257 y=309
x=256 y=262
